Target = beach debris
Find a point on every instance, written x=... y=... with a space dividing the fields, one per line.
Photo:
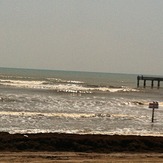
x=26 y=136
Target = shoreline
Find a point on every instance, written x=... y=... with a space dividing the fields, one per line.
x=54 y=142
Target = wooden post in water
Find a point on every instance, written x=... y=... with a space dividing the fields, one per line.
x=154 y=106
x=152 y=84
x=158 y=85
x=153 y=110
x=144 y=83
x=138 y=78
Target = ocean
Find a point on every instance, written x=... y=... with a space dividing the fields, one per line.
x=48 y=101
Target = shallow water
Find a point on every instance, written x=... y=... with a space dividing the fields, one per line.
x=34 y=101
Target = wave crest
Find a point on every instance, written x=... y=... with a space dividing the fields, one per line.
x=63 y=86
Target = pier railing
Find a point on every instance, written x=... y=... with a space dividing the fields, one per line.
x=148 y=78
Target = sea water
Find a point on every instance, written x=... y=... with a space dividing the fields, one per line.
x=43 y=101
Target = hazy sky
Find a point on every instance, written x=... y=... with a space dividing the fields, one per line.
x=122 y=36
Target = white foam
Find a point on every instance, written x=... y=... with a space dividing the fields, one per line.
x=68 y=115
x=65 y=81
x=20 y=83
x=73 y=87
x=125 y=131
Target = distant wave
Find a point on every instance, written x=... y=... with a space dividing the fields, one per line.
x=56 y=80
x=66 y=115
x=62 y=86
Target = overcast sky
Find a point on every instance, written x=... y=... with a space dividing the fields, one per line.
x=119 y=36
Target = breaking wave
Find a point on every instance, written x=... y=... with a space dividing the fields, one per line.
x=59 y=85
x=66 y=115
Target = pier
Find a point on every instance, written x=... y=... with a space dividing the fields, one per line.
x=148 y=78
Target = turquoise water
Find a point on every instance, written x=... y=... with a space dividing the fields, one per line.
x=33 y=101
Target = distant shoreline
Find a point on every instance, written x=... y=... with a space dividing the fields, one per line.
x=55 y=142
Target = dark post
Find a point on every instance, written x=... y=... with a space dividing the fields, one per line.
x=152 y=84
x=138 y=78
x=144 y=83
x=153 y=106
x=158 y=86
x=153 y=109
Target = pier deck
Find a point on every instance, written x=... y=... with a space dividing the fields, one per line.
x=148 y=78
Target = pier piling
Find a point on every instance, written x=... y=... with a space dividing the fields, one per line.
x=152 y=83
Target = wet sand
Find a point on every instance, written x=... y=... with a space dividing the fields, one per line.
x=49 y=157
x=55 y=147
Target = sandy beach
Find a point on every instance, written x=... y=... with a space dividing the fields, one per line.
x=54 y=147
x=48 y=157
